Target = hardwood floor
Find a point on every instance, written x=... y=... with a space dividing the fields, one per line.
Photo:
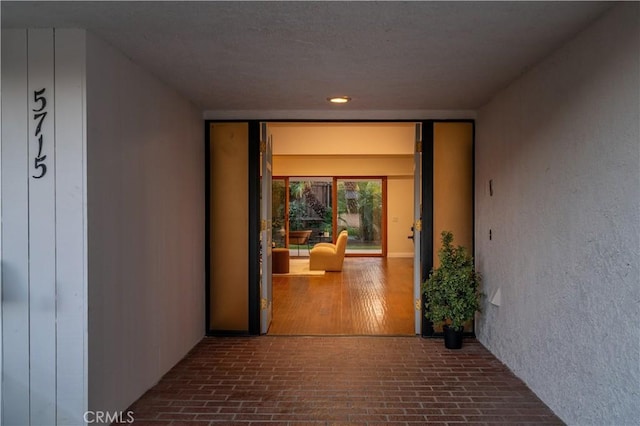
x=371 y=296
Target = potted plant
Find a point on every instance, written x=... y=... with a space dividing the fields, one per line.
x=451 y=292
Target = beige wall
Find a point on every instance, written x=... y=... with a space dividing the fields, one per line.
x=399 y=216
x=333 y=165
x=343 y=138
x=229 y=278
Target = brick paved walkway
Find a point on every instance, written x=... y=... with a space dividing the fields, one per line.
x=339 y=380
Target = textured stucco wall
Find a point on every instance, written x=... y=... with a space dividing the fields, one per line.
x=145 y=189
x=561 y=145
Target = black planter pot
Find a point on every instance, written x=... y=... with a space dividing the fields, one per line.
x=452 y=338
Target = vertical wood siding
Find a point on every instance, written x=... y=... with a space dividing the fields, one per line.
x=43 y=227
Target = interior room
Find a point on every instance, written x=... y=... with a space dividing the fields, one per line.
x=371 y=292
x=322 y=151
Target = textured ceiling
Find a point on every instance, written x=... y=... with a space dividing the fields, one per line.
x=292 y=55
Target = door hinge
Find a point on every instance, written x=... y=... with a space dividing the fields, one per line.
x=263 y=225
x=263 y=147
x=418 y=225
x=418 y=146
x=418 y=304
x=264 y=304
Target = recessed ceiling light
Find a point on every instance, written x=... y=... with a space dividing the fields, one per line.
x=339 y=99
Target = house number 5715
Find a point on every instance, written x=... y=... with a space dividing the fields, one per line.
x=39 y=114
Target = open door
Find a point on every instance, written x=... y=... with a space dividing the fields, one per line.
x=417 y=227
x=266 y=291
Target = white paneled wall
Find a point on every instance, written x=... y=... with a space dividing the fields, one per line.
x=41 y=176
x=71 y=273
x=15 y=229
x=43 y=228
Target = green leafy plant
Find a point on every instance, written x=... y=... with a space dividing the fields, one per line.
x=370 y=209
x=452 y=289
x=297 y=210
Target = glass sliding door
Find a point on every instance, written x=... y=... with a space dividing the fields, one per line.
x=310 y=213
x=361 y=211
x=304 y=213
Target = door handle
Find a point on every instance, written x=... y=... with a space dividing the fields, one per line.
x=411 y=236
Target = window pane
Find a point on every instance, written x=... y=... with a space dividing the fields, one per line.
x=279 y=194
x=360 y=213
x=309 y=210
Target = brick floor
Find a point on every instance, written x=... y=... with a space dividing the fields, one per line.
x=337 y=381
